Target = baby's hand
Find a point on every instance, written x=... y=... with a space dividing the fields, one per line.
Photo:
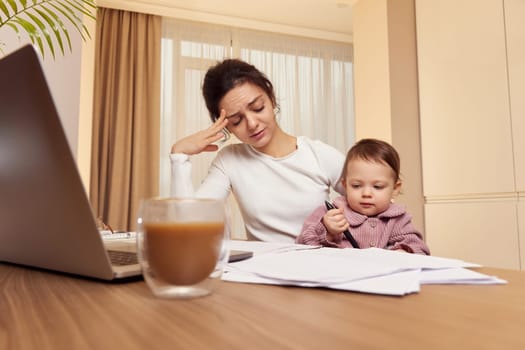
x=335 y=224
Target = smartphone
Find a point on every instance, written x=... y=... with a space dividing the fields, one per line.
x=238 y=255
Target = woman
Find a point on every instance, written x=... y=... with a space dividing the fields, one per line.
x=276 y=178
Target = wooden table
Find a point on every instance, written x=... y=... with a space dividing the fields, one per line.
x=44 y=310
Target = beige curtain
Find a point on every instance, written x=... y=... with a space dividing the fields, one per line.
x=126 y=114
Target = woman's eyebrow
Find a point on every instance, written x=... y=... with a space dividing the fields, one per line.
x=233 y=115
x=255 y=100
x=249 y=104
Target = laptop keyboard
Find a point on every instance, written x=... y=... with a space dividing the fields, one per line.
x=109 y=235
x=120 y=258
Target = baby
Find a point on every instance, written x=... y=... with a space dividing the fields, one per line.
x=371 y=179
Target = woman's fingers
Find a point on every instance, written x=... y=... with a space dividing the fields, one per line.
x=222 y=121
x=202 y=141
x=214 y=132
x=210 y=148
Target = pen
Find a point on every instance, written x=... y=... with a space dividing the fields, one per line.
x=347 y=233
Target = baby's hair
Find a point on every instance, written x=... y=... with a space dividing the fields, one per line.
x=374 y=150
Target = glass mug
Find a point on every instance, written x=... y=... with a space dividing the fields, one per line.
x=182 y=245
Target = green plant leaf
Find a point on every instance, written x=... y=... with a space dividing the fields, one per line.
x=51 y=23
x=63 y=28
x=13 y=5
x=43 y=20
x=43 y=30
x=4 y=10
x=15 y=28
x=79 y=6
x=31 y=30
x=58 y=27
x=70 y=15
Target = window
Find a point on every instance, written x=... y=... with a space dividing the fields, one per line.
x=312 y=80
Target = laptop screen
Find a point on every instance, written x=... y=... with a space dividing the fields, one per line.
x=45 y=216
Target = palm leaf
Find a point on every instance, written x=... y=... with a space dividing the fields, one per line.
x=60 y=24
x=44 y=21
x=52 y=23
x=42 y=31
x=30 y=30
x=70 y=14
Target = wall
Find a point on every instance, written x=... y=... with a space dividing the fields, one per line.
x=471 y=73
x=386 y=88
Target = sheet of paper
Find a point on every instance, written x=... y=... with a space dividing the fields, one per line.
x=258 y=247
x=372 y=270
x=322 y=266
x=397 y=284
x=405 y=260
x=457 y=276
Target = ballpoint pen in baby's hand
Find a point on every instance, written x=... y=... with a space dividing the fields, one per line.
x=347 y=233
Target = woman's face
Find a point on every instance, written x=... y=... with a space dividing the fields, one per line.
x=250 y=115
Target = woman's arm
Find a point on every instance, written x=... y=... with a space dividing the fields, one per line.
x=331 y=161
x=215 y=185
x=181 y=183
x=201 y=141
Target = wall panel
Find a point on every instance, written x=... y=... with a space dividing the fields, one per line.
x=481 y=232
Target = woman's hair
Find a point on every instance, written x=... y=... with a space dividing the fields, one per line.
x=374 y=150
x=226 y=75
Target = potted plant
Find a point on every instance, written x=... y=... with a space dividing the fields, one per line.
x=45 y=21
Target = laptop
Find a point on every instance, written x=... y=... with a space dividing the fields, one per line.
x=46 y=220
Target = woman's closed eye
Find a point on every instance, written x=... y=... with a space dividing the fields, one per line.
x=258 y=109
x=235 y=120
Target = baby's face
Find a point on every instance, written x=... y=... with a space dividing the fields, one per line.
x=370 y=186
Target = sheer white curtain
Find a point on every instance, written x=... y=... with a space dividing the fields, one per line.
x=312 y=79
x=188 y=50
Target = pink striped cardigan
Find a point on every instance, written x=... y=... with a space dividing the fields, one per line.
x=391 y=229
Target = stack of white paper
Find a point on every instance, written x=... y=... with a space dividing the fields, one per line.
x=370 y=270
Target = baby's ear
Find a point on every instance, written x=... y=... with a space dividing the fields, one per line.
x=397 y=189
